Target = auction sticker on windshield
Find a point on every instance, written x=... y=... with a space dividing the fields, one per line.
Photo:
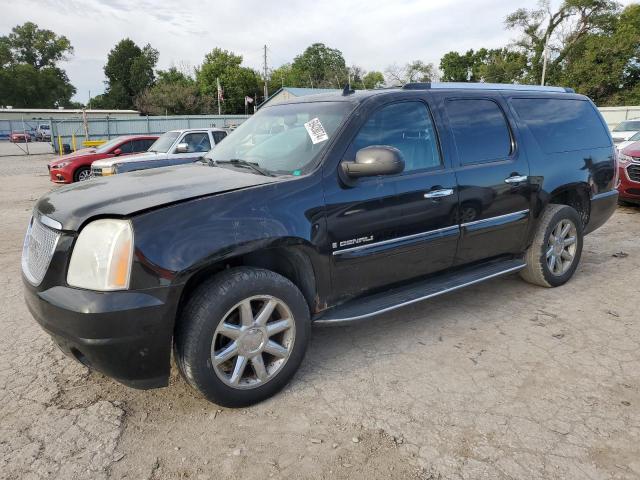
x=316 y=131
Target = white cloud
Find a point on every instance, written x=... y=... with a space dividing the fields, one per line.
x=371 y=33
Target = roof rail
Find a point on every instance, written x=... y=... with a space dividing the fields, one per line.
x=484 y=86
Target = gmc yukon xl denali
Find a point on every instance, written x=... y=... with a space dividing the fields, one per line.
x=325 y=210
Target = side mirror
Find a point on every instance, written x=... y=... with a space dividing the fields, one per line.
x=373 y=161
x=182 y=148
x=117 y=152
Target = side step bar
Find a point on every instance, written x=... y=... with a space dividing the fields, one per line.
x=375 y=304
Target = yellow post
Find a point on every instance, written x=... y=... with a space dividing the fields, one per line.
x=60 y=152
x=73 y=141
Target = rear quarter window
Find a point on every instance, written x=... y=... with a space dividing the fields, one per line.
x=562 y=125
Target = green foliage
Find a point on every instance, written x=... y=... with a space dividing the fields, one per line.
x=236 y=81
x=318 y=66
x=174 y=93
x=129 y=72
x=373 y=79
x=29 y=76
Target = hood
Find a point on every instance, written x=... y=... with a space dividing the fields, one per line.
x=126 y=194
x=72 y=156
x=139 y=157
x=632 y=150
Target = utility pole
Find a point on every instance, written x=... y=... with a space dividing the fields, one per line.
x=544 y=58
x=266 y=88
x=218 y=89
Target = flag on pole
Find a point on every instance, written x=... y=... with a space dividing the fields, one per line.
x=247 y=100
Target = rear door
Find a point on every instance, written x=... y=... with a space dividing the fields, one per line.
x=493 y=177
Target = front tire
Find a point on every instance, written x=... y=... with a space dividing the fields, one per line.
x=242 y=335
x=82 y=174
x=555 y=252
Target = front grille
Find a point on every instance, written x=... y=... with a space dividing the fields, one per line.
x=39 y=245
x=634 y=172
x=96 y=172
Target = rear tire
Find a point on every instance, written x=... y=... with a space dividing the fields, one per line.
x=555 y=252
x=225 y=343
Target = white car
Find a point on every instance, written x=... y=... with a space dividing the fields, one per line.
x=174 y=147
x=625 y=130
x=622 y=145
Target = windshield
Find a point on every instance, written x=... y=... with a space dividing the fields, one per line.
x=628 y=126
x=635 y=138
x=106 y=147
x=164 y=142
x=283 y=139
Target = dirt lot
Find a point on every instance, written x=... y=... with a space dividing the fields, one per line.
x=500 y=381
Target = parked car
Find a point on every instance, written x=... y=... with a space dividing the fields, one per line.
x=629 y=174
x=349 y=209
x=76 y=167
x=19 y=137
x=622 y=145
x=172 y=148
x=43 y=133
x=625 y=130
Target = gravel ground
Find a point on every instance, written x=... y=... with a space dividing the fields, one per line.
x=503 y=380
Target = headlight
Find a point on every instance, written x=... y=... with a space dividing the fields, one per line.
x=108 y=170
x=101 y=258
x=61 y=165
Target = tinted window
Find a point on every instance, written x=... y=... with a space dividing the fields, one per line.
x=480 y=130
x=141 y=145
x=218 y=136
x=562 y=125
x=197 y=142
x=127 y=147
x=406 y=126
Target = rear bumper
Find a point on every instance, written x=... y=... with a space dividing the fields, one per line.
x=602 y=207
x=125 y=335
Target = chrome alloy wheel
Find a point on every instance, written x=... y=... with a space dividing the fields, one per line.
x=253 y=342
x=84 y=175
x=561 y=247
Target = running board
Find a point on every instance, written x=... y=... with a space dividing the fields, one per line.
x=371 y=305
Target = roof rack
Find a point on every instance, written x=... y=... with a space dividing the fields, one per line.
x=484 y=86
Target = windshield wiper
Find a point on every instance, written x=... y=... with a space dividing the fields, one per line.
x=244 y=163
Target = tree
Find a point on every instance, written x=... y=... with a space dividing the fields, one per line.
x=605 y=65
x=129 y=72
x=236 y=81
x=174 y=93
x=319 y=66
x=415 y=71
x=29 y=75
x=561 y=30
x=373 y=79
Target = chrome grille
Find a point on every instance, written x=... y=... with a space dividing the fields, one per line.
x=634 y=172
x=39 y=245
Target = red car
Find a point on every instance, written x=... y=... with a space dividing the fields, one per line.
x=76 y=166
x=629 y=173
x=19 y=137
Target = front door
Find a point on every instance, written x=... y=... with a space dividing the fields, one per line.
x=493 y=177
x=389 y=229
x=198 y=143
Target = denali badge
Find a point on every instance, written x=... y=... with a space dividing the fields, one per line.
x=353 y=241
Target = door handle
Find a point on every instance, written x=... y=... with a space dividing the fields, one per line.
x=516 y=179
x=444 y=192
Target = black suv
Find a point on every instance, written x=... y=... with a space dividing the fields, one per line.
x=327 y=209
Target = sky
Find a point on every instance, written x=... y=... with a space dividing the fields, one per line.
x=371 y=34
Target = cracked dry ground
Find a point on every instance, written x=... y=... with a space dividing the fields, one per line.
x=502 y=380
